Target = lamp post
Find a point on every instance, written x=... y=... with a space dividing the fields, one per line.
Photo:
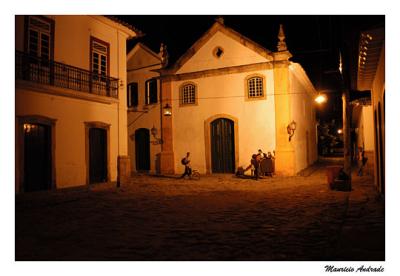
x=346 y=136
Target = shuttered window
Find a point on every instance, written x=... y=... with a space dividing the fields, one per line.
x=151 y=91
x=132 y=94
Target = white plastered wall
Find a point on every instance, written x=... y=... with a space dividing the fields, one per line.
x=224 y=94
x=72 y=47
x=302 y=108
x=143 y=116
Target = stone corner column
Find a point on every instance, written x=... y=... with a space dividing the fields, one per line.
x=167 y=163
x=285 y=152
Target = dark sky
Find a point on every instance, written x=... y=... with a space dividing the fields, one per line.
x=313 y=40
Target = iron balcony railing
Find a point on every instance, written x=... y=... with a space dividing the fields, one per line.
x=50 y=72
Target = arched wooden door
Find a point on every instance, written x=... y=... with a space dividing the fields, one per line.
x=37 y=157
x=142 y=149
x=222 y=146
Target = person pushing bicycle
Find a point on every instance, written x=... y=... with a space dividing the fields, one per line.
x=186 y=161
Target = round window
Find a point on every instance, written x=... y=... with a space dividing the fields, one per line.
x=218 y=52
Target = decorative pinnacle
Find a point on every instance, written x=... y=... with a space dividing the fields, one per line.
x=220 y=20
x=281 y=36
x=164 y=55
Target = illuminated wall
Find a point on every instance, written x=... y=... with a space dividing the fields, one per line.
x=141 y=62
x=70 y=108
x=302 y=107
x=223 y=94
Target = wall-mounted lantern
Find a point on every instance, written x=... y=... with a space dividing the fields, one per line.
x=154 y=132
x=290 y=129
x=167 y=110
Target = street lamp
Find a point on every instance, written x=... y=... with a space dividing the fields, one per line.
x=321 y=98
x=167 y=110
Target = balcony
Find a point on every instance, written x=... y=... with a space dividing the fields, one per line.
x=49 y=72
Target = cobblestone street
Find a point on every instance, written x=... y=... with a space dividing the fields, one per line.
x=219 y=217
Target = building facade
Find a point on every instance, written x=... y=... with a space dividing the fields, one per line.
x=70 y=102
x=144 y=108
x=229 y=98
x=371 y=77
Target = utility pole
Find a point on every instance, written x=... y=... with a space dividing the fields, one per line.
x=346 y=136
x=346 y=122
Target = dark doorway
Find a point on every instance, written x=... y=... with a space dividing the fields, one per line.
x=381 y=149
x=142 y=149
x=222 y=146
x=377 y=158
x=37 y=157
x=97 y=155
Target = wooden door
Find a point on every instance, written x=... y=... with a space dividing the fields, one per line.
x=142 y=149
x=97 y=155
x=222 y=146
x=37 y=157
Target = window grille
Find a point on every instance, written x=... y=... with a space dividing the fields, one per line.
x=255 y=87
x=189 y=94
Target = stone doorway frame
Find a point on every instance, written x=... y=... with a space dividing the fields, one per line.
x=207 y=138
x=106 y=127
x=20 y=145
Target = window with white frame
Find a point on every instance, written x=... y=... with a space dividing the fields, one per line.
x=99 y=58
x=151 y=91
x=255 y=87
x=188 y=94
x=39 y=37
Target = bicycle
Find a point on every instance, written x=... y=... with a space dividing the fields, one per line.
x=195 y=175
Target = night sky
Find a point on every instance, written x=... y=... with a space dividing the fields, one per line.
x=314 y=41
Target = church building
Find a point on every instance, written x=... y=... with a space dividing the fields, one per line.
x=224 y=99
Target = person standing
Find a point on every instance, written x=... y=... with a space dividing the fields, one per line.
x=255 y=164
x=261 y=154
x=360 y=161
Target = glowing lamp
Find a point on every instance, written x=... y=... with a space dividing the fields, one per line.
x=320 y=99
x=167 y=110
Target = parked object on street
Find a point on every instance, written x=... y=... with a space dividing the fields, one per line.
x=337 y=178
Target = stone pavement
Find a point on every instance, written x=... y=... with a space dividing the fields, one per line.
x=219 y=217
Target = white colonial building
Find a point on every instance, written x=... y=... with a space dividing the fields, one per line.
x=144 y=107
x=71 y=115
x=369 y=117
x=229 y=98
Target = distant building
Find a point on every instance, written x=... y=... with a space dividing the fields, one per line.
x=71 y=119
x=143 y=107
x=229 y=98
x=369 y=118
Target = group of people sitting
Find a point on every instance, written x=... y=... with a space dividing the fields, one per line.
x=260 y=164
